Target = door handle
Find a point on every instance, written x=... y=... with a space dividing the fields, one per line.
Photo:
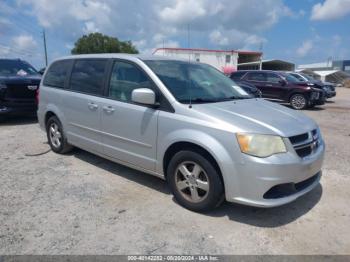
x=92 y=105
x=108 y=109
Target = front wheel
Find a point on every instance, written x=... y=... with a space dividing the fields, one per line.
x=298 y=101
x=194 y=181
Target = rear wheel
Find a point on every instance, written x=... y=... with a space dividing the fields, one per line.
x=298 y=101
x=194 y=181
x=56 y=137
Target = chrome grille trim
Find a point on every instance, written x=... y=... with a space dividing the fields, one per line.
x=308 y=146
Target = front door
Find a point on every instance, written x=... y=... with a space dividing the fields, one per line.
x=129 y=130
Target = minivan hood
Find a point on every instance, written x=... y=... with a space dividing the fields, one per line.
x=258 y=116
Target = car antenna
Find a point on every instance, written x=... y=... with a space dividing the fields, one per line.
x=189 y=62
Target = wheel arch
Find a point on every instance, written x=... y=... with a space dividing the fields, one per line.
x=190 y=146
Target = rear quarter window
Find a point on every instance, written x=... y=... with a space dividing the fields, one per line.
x=57 y=74
x=88 y=76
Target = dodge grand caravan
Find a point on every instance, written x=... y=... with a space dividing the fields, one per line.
x=184 y=122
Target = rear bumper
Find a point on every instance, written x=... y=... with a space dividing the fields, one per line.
x=17 y=109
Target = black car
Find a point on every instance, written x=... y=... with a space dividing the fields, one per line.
x=19 y=83
x=250 y=89
x=328 y=88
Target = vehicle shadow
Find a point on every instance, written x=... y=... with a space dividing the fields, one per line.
x=259 y=217
x=141 y=178
x=269 y=217
x=316 y=108
x=17 y=120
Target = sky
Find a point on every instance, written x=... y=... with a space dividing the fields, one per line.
x=300 y=31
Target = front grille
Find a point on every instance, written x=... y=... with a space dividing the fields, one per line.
x=299 y=138
x=305 y=144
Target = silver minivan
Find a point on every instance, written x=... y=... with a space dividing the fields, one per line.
x=184 y=122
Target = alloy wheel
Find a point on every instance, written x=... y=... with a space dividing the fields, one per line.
x=298 y=101
x=55 y=135
x=192 y=181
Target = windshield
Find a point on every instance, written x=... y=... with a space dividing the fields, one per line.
x=16 y=67
x=308 y=77
x=299 y=77
x=195 y=82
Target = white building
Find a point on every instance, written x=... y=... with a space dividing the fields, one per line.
x=224 y=60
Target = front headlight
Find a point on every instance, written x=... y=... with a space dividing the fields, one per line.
x=261 y=145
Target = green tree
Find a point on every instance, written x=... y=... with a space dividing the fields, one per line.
x=99 y=43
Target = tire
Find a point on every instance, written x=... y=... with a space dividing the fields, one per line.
x=203 y=189
x=55 y=136
x=298 y=101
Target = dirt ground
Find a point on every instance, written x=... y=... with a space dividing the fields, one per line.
x=82 y=204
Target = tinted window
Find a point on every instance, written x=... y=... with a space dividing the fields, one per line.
x=237 y=75
x=256 y=76
x=16 y=67
x=289 y=78
x=87 y=76
x=299 y=77
x=57 y=73
x=272 y=78
x=125 y=78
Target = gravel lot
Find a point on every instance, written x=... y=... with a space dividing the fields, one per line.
x=83 y=204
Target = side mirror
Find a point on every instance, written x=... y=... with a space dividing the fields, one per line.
x=143 y=96
x=282 y=82
x=42 y=71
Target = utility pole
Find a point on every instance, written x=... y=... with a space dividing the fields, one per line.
x=261 y=56
x=45 y=49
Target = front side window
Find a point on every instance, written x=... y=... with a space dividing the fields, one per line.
x=273 y=78
x=57 y=73
x=196 y=83
x=16 y=68
x=289 y=78
x=87 y=76
x=125 y=78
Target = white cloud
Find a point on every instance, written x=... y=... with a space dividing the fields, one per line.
x=24 y=42
x=330 y=9
x=305 y=48
x=90 y=27
x=183 y=11
x=232 y=24
x=217 y=37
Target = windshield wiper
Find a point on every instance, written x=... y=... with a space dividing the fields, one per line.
x=235 y=98
x=199 y=100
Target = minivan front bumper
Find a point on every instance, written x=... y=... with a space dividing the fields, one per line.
x=277 y=180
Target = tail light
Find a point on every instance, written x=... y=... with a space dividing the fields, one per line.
x=37 y=96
